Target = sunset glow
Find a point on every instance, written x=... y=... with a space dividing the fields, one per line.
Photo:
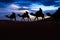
x=23 y=11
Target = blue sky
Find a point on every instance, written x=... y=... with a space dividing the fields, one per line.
x=7 y=6
x=30 y=4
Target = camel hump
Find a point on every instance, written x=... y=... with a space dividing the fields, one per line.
x=26 y=13
x=13 y=15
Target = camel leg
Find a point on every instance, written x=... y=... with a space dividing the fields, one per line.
x=42 y=18
x=29 y=19
x=15 y=19
x=23 y=19
x=11 y=19
x=35 y=19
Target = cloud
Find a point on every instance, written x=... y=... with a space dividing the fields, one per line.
x=30 y=2
x=6 y=1
x=23 y=3
x=44 y=8
x=57 y=1
x=44 y=2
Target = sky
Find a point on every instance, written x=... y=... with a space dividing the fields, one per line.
x=28 y=5
x=21 y=6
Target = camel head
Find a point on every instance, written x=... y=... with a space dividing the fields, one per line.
x=19 y=15
x=6 y=15
x=48 y=14
x=31 y=13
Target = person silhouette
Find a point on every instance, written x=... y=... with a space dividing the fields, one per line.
x=40 y=10
x=39 y=13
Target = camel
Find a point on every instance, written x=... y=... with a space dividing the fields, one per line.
x=12 y=16
x=38 y=14
x=25 y=15
x=56 y=16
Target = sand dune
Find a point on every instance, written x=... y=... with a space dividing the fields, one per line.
x=36 y=25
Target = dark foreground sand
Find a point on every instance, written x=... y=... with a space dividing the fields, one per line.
x=27 y=26
x=17 y=30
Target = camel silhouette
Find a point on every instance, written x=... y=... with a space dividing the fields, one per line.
x=51 y=16
x=38 y=14
x=12 y=16
x=56 y=16
x=48 y=14
x=25 y=15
